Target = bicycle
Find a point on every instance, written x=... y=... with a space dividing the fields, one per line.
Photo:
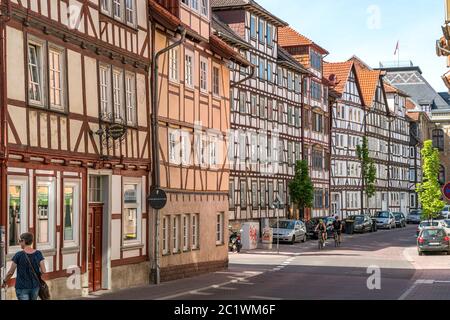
x=321 y=241
x=337 y=240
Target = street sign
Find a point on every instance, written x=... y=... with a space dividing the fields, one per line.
x=446 y=191
x=157 y=199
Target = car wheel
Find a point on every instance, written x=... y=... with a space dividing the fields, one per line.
x=293 y=240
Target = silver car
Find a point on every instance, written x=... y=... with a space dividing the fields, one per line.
x=385 y=220
x=289 y=231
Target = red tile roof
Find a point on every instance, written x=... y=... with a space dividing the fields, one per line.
x=410 y=105
x=288 y=37
x=341 y=72
x=368 y=82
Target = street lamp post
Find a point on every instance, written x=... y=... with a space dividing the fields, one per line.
x=276 y=205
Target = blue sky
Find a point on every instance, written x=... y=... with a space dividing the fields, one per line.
x=370 y=29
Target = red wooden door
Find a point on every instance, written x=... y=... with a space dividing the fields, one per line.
x=95 y=247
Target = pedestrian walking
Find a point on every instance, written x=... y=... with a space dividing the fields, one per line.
x=30 y=266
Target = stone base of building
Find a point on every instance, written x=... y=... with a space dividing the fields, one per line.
x=129 y=276
x=60 y=289
x=190 y=270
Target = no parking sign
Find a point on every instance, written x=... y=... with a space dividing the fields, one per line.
x=446 y=191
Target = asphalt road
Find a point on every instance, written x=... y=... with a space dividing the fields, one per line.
x=373 y=266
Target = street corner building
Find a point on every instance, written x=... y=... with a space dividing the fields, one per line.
x=193 y=120
x=75 y=139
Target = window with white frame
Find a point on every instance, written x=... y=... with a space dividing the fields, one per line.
x=45 y=212
x=173 y=64
x=71 y=212
x=203 y=74
x=213 y=151
x=36 y=73
x=174 y=152
x=175 y=234
x=43 y=91
x=194 y=4
x=189 y=69
x=186 y=148
x=17 y=210
x=121 y=10
x=132 y=212
x=118 y=94
x=117 y=8
x=205 y=7
x=165 y=235
x=195 y=231
x=216 y=81
x=253 y=26
x=130 y=94
x=130 y=12
x=219 y=228
x=56 y=75
x=261 y=30
x=105 y=6
x=185 y=232
x=105 y=92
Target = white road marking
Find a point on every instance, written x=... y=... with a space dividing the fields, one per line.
x=214 y=286
x=198 y=293
x=264 y=298
x=418 y=282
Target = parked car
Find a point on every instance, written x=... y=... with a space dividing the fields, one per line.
x=361 y=223
x=289 y=231
x=429 y=223
x=446 y=212
x=414 y=216
x=385 y=220
x=400 y=219
x=433 y=239
x=447 y=226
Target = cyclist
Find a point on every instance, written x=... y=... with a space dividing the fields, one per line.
x=322 y=229
x=337 y=227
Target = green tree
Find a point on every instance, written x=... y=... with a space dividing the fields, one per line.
x=368 y=172
x=429 y=190
x=301 y=188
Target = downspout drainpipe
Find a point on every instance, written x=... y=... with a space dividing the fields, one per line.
x=155 y=146
x=248 y=77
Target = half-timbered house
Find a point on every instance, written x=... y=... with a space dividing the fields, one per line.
x=265 y=116
x=376 y=129
x=76 y=110
x=348 y=114
x=399 y=151
x=315 y=128
x=419 y=131
x=193 y=120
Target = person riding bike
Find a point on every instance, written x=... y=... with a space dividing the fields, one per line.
x=322 y=229
x=337 y=227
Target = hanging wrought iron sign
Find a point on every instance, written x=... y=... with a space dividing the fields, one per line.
x=112 y=132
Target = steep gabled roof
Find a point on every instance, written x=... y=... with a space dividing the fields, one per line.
x=341 y=72
x=368 y=81
x=247 y=4
x=288 y=37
